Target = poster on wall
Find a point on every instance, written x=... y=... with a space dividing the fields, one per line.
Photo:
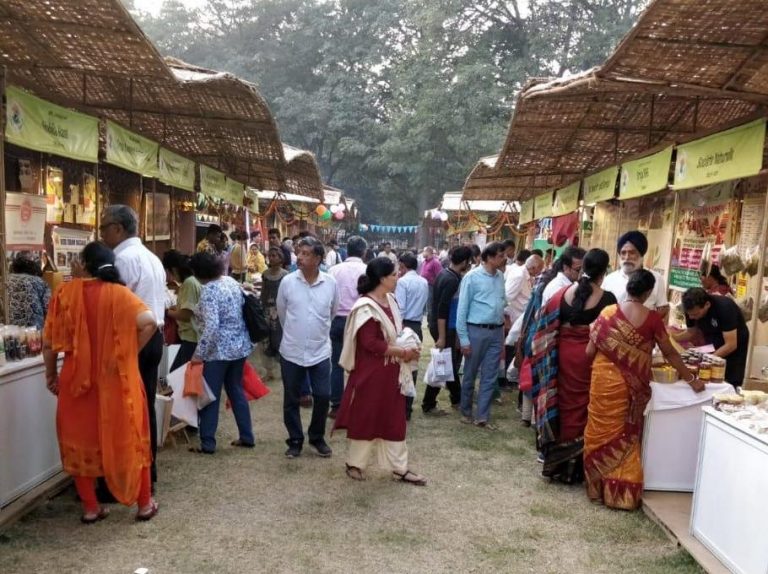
x=655 y=219
x=700 y=237
x=54 y=195
x=24 y=222
x=86 y=207
x=67 y=245
x=157 y=217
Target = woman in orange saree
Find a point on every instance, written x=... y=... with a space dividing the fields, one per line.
x=101 y=418
x=622 y=340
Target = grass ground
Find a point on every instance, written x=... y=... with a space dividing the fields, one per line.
x=485 y=510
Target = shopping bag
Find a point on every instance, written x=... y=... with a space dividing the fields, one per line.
x=183 y=408
x=429 y=377
x=193 y=380
x=442 y=363
x=253 y=387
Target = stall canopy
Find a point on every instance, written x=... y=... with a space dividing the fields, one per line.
x=643 y=99
x=90 y=55
x=453 y=202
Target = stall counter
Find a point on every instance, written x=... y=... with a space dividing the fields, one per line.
x=730 y=503
x=29 y=450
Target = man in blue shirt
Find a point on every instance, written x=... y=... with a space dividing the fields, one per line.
x=412 y=293
x=480 y=327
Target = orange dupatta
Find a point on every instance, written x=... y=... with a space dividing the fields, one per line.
x=101 y=417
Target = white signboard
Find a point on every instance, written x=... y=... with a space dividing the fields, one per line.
x=24 y=222
x=67 y=245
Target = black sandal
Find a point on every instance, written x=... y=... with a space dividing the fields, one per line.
x=198 y=450
x=416 y=480
x=355 y=473
x=242 y=444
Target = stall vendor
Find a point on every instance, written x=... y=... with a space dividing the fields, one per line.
x=632 y=247
x=719 y=320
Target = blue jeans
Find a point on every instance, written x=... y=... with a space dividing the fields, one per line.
x=337 y=373
x=293 y=378
x=486 y=353
x=229 y=375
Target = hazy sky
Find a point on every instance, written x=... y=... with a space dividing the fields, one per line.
x=153 y=6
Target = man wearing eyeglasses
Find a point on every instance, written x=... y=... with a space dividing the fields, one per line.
x=568 y=267
x=143 y=274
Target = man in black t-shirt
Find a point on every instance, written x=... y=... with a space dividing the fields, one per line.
x=442 y=325
x=719 y=320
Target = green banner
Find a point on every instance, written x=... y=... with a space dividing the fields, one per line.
x=234 y=192
x=646 y=175
x=566 y=199
x=543 y=205
x=131 y=151
x=39 y=125
x=684 y=278
x=175 y=170
x=600 y=186
x=731 y=154
x=213 y=183
x=526 y=211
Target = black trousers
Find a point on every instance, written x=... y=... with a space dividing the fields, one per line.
x=149 y=361
x=454 y=387
x=416 y=327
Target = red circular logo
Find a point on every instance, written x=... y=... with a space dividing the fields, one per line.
x=26 y=211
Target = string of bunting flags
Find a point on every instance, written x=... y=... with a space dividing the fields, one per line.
x=388 y=228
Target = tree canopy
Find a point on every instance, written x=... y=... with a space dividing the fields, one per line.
x=397 y=99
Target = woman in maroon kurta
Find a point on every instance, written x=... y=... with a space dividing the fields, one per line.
x=373 y=409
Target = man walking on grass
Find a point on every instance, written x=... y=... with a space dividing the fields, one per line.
x=306 y=304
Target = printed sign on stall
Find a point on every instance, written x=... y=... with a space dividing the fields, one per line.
x=24 y=221
x=131 y=151
x=600 y=186
x=526 y=211
x=731 y=154
x=233 y=192
x=566 y=199
x=212 y=182
x=645 y=175
x=175 y=170
x=543 y=205
x=35 y=124
x=67 y=245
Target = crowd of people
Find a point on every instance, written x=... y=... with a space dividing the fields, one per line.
x=345 y=330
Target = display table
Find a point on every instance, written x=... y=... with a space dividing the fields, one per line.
x=671 y=435
x=29 y=450
x=730 y=502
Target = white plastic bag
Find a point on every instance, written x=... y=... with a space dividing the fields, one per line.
x=440 y=368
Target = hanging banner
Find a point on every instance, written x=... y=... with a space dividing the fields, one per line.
x=566 y=200
x=24 y=222
x=213 y=183
x=175 y=170
x=233 y=192
x=39 y=125
x=67 y=245
x=542 y=205
x=157 y=217
x=600 y=186
x=131 y=151
x=645 y=175
x=526 y=211
x=731 y=154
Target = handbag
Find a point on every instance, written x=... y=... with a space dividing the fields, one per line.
x=255 y=318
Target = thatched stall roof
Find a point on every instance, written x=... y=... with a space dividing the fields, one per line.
x=90 y=55
x=302 y=174
x=720 y=47
x=563 y=130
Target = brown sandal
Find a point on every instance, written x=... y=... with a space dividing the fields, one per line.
x=355 y=473
x=149 y=514
x=410 y=477
x=100 y=515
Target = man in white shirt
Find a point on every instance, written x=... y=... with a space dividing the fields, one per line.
x=632 y=247
x=568 y=269
x=387 y=252
x=143 y=274
x=307 y=302
x=518 y=286
x=332 y=255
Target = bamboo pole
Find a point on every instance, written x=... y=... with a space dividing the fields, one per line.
x=3 y=237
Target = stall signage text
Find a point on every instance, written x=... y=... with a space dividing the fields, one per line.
x=176 y=171
x=731 y=154
x=24 y=221
x=543 y=205
x=131 y=151
x=600 y=186
x=526 y=211
x=645 y=175
x=213 y=183
x=566 y=200
x=39 y=125
x=233 y=192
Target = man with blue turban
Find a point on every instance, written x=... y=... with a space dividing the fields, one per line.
x=632 y=247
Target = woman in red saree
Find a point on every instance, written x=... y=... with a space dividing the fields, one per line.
x=101 y=418
x=372 y=408
x=565 y=396
x=622 y=340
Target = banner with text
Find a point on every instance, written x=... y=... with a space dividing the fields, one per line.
x=175 y=170
x=600 y=186
x=526 y=211
x=39 y=125
x=645 y=175
x=131 y=151
x=731 y=154
x=566 y=199
x=67 y=245
x=24 y=221
x=543 y=205
x=213 y=183
x=233 y=192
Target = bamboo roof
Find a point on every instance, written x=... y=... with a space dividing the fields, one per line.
x=90 y=55
x=563 y=130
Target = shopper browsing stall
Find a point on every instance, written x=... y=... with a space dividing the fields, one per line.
x=719 y=320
